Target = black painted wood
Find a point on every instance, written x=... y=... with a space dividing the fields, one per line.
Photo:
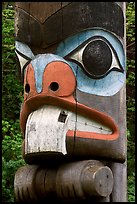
x=72 y=18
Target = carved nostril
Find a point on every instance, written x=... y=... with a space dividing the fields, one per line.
x=54 y=86
x=27 y=88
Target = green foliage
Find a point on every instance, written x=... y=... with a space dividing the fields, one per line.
x=12 y=95
x=11 y=157
x=11 y=89
x=131 y=187
x=8 y=38
x=11 y=101
x=130 y=40
x=130 y=23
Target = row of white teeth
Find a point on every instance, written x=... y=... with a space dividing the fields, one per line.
x=46 y=129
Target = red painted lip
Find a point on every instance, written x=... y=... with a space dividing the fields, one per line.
x=69 y=103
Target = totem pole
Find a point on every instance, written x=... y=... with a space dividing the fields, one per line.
x=73 y=118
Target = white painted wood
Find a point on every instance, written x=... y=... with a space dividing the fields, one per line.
x=22 y=61
x=87 y=125
x=45 y=132
x=24 y=50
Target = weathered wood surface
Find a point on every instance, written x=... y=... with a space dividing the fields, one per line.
x=74 y=98
x=70 y=181
x=119 y=193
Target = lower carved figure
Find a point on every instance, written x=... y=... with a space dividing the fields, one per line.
x=70 y=181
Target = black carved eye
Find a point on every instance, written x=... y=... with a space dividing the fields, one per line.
x=96 y=57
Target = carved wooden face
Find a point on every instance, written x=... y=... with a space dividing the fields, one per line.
x=73 y=97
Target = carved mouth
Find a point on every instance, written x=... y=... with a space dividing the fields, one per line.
x=48 y=127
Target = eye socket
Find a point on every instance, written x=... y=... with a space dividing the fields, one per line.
x=96 y=57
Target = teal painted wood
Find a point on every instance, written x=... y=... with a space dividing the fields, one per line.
x=110 y=84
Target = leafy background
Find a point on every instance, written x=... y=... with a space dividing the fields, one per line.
x=12 y=97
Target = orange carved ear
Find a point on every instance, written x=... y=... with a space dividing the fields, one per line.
x=29 y=82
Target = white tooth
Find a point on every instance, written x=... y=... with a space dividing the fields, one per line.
x=44 y=132
x=87 y=125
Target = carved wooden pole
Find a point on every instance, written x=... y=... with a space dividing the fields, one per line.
x=73 y=118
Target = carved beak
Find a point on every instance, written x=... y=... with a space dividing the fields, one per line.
x=49 y=117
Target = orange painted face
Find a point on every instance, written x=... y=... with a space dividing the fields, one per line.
x=58 y=88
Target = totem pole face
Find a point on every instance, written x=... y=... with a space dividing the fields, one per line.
x=74 y=97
